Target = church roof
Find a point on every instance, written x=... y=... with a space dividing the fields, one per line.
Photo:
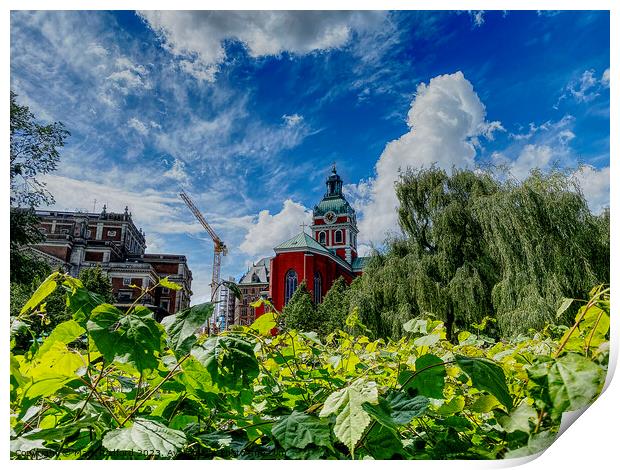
x=359 y=263
x=302 y=240
x=337 y=205
x=258 y=273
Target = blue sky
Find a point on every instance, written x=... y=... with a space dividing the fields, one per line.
x=246 y=111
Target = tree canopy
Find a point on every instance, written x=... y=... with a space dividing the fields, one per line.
x=34 y=152
x=477 y=246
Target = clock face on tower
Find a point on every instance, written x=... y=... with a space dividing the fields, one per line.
x=330 y=217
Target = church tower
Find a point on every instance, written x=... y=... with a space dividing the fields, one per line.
x=333 y=221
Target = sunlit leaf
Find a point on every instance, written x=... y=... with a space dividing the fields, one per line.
x=46 y=288
x=145 y=435
x=181 y=327
x=352 y=419
x=164 y=282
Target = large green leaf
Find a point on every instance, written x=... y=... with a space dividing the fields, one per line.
x=145 y=435
x=82 y=302
x=428 y=379
x=405 y=408
x=181 y=327
x=165 y=282
x=264 y=324
x=132 y=338
x=64 y=333
x=383 y=443
x=486 y=375
x=536 y=443
x=352 y=419
x=24 y=445
x=50 y=371
x=574 y=381
x=230 y=360
x=62 y=431
x=381 y=413
x=46 y=288
x=519 y=419
x=299 y=430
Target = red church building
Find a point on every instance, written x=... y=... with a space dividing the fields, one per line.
x=318 y=259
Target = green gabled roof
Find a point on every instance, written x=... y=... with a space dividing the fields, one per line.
x=359 y=263
x=302 y=240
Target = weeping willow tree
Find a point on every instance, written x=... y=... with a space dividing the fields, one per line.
x=476 y=246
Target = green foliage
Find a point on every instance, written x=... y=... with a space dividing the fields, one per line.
x=128 y=338
x=109 y=384
x=334 y=308
x=477 y=246
x=34 y=151
x=300 y=313
x=181 y=327
x=96 y=281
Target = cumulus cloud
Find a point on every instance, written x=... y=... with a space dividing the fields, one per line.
x=595 y=186
x=198 y=36
x=445 y=119
x=270 y=230
x=531 y=156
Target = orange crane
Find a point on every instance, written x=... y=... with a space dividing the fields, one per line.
x=219 y=248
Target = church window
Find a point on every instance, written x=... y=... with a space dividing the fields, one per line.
x=338 y=236
x=322 y=238
x=290 y=284
x=317 y=288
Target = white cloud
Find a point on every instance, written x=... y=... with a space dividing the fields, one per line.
x=586 y=88
x=531 y=156
x=595 y=186
x=445 y=119
x=138 y=125
x=477 y=17
x=177 y=172
x=292 y=120
x=154 y=210
x=270 y=230
x=605 y=78
x=198 y=36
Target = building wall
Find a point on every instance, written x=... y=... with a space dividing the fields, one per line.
x=305 y=265
x=112 y=241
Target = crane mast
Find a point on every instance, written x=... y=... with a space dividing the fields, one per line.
x=219 y=247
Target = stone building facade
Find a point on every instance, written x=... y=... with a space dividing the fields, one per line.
x=79 y=240
x=253 y=285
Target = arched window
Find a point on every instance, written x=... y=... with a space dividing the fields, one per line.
x=322 y=238
x=317 y=288
x=338 y=236
x=290 y=284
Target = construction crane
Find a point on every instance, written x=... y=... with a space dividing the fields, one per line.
x=219 y=248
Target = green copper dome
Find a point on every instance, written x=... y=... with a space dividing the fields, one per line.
x=333 y=200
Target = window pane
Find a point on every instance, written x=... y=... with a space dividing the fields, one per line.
x=290 y=284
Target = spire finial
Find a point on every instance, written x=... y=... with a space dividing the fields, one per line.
x=334 y=167
x=303 y=227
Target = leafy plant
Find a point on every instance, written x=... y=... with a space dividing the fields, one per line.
x=113 y=384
